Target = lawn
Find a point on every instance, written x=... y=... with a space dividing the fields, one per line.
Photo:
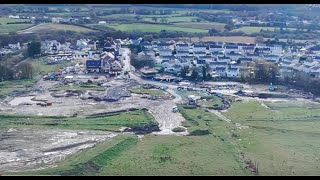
x=152 y=28
x=7 y=87
x=111 y=122
x=60 y=27
x=202 y=25
x=39 y=65
x=152 y=92
x=173 y=19
x=6 y=28
x=253 y=29
x=283 y=138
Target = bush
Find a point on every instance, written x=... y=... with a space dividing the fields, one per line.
x=179 y=129
x=199 y=132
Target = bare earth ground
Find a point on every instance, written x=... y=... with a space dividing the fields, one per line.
x=25 y=149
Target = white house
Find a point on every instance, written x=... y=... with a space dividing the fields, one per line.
x=182 y=47
x=254 y=57
x=182 y=53
x=164 y=46
x=245 y=60
x=215 y=47
x=200 y=53
x=232 y=48
x=232 y=72
x=165 y=52
x=276 y=49
x=214 y=65
x=234 y=56
x=248 y=49
x=271 y=58
x=224 y=59
x=199 y=48
x=221 y=71
x=207 y=58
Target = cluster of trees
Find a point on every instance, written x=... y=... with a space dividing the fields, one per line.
x=305 y=81
x=141 y=61
x=22 y=71
x=261 y=72
x=200 y=73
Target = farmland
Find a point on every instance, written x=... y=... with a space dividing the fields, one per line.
x=6 y=28
x=252 y=29
x=56 y=27
x=152 y=28
x=240 y=39
x=282 y=138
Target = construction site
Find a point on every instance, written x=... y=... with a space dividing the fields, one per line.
x=79 y=95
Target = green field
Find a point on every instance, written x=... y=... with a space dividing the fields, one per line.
x=39 y=65
x=284 y=138
x=6 y=28
x=173 y=19
x=110 y=122
x=252 y=29
x=152 y=92
x=60 y=27
x=202 y=25
x=151 y=28
x=6 y=87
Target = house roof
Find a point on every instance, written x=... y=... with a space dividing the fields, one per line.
x=201 y=61
x=201 y=57
x=200 y=52
x=218 y=63
x=233 y=69
x=200 y=45
x=215 y=46
x=248 y=48
x=231 y=47
x=221 y=68
x=245 y=59
x=186 y=57
x=223 y=57
x=182 y=45
x=182 y=52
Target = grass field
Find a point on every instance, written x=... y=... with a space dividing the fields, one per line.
x=6 y=87
x=173 y=19
x=59 y=27
x=240 y=39
x=202 y=25
x=110 y=122
x=39 y=65
x=282 y=138
x=152 y=28
x=152 y=92
x=6 y=28
x=252 y=29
